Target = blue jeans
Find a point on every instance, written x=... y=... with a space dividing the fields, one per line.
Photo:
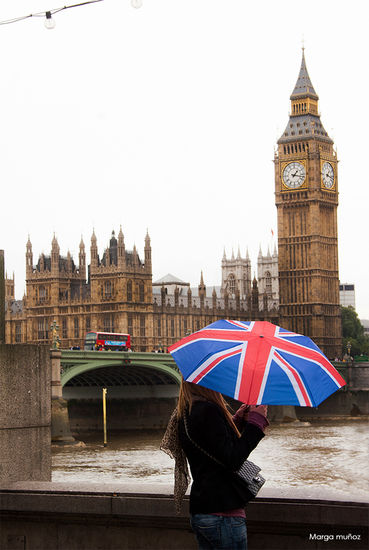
x=219 y=533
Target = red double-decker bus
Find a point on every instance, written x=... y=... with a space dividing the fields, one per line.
x=107 y=341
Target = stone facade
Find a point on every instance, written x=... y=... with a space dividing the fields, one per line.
x=236 y=275
x=268 y=282
x=113 y=294
x=116 y=294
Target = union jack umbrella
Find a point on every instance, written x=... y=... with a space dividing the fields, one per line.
x=257 y=362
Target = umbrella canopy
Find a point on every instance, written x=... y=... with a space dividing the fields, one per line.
x=257 y=362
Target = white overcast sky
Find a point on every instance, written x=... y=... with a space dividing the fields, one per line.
x=166 y=117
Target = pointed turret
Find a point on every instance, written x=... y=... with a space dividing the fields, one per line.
x=135 y=255
x=82 y=259
x=147 y=251
x=189 y=298
x=120 y=236
x=238 y=253
x=29 y=257
x=107 y=257
x=55 y=244
x=304 y=122
x=93 y=250
x=202 y=290
x=303 y=87
x=55 y=252
x=69 y=262
x=113 y=250
x=121 y=249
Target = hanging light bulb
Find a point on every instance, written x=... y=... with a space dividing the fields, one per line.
x=136 y=3
x=49 y=21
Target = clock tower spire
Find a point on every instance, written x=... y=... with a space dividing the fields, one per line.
x=306 y=192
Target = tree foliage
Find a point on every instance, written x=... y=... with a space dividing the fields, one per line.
x=353 y=332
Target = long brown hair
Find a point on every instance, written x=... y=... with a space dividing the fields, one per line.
x=189 y=390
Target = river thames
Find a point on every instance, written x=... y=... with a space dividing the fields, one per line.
x=331 y=455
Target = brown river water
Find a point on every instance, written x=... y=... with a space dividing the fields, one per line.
x=331 y=455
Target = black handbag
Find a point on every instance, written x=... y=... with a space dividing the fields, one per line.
x=248 y=473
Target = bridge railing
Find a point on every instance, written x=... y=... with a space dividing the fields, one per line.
x=355 y=374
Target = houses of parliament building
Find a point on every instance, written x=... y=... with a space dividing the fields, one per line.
x=297 y=288
x=115 y=293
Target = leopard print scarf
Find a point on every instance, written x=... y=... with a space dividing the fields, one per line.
x=171 y=445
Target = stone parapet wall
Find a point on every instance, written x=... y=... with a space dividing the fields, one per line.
x=58 y=516
x=25 y=412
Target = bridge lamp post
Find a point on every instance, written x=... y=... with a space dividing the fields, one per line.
x=105 y=391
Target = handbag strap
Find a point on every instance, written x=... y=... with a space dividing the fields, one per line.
x=196 y=444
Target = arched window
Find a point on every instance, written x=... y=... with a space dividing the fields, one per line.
x=108 y=322
x=158 y=327
x=142 y=326
x=141 y=290
x=107 y=289
x=129 y=291
x=18 y=333
x=231 y=284
x=268 y=283
x=245 y=288
x=42 y=294
x=76 y=327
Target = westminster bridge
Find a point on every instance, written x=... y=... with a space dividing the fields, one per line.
x=110 y=368
x=142 y=388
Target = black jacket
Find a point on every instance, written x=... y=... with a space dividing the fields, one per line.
x=215 y=488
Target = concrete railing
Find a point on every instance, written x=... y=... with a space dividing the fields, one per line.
x=356 y=375
x=57 y=516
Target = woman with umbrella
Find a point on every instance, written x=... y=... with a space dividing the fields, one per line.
x=215 y=444
x=251 y=361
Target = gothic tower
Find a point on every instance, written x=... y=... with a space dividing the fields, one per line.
x=236 y=275
x=306 y=192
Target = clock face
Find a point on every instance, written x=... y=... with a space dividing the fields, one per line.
x=328 y=175
x=294 y=175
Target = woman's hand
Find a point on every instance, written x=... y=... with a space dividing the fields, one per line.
x=243 y=411
x=260 y=409
x=241 y=416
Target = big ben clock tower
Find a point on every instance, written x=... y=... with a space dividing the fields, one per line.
x=306 y=191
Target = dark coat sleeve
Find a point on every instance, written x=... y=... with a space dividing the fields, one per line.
x=209 y=428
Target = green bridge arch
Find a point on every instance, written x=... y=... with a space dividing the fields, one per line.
x=76 y=362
